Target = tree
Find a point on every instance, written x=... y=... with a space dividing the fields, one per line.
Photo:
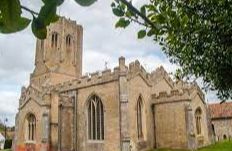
x=11 y=19
x=196 y=35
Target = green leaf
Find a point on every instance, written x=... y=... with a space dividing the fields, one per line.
x=160 y=19
x=118 y=12
x=11 y=20
x=38 y=28
x=143 y=10
x=47 y=13
x=150 y=32
x=21 y=24
x=112 y=4
x=141 y=34
x=122 y=23
x=57 y=2
x=85 y=2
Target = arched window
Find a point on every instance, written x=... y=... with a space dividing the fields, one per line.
x=41 y=44
x=224 y=137
x=198 y=120
x=54 y=39
x=140 y=118
x=95 y=119
x=68 y=41
x=213 y=128
x=31 y=126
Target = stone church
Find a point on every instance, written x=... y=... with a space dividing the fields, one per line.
x=124 y=109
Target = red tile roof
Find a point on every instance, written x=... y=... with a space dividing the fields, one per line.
x=221 y=110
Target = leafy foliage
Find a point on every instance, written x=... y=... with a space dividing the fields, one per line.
x=10 y=17
x=11 y=20
x=197 y=35
x=8 y=143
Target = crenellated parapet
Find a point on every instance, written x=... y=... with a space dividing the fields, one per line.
x=136 y=69
x=31 y=92
x=106 y=76
x=160 y=73
x=91 y=79
x=175 y=95
x=191 y=86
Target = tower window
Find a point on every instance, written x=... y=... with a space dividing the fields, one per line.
x=31 y=126
x=42 y=44
x=68 y=40
x=95 y=119
x=198 y=120
x=54 y=39
x=140 y=118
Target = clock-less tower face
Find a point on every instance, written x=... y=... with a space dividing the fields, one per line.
x=59 y=54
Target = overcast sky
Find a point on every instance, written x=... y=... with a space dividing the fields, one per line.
x=102 y=43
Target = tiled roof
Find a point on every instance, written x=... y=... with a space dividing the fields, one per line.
x=221 y=110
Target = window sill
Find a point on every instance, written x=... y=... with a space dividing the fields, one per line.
x=95 y=141
x=141 y=140
x=200 y=137
x=30 y=142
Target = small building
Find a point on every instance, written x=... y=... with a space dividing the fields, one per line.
x=2 y=141
x=221 y=115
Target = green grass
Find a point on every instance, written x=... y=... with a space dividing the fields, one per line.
x=6 y=150
x=221 y=146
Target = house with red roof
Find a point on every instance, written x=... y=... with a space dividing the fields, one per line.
x=221 y=117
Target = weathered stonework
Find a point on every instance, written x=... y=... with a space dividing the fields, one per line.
x=221 y=115
x=58 y=96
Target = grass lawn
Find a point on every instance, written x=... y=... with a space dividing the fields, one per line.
x=221 y=146
x=6 y=150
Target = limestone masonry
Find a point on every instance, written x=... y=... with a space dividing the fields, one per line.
x=221 y=117
x=127 y=109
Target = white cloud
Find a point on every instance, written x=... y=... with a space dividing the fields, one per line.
x=102 y=43
x=8 y=105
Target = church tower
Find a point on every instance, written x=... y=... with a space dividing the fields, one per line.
x=59 y=57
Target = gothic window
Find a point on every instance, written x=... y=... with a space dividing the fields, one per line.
x=140 y=118
x=31 y=126
x=213 y=128
x=42 y=43
x=224 y=137
x=95 y=119
x=198 y=120
x=68 y=41
x=54 y=39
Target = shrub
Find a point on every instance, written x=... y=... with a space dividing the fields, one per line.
x=8 y=143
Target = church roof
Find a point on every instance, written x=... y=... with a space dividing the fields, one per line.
x=218 y=110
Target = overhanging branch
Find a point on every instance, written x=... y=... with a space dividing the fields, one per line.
x=135 y=10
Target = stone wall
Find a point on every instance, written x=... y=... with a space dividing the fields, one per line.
x=222 y=128
x=109 y=95
x=40 y=142
x=170 y=125
x=204 y=138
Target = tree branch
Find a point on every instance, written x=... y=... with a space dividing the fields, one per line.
x=29 y=10
x=138 y=22
x=135 y=10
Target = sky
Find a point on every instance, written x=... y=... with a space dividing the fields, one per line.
x=102 y=43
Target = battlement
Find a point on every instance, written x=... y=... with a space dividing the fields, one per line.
x=175 y=95
x=135 y=68
x=191 y=86
x=160 y=72
x=94 y=78
x=107 y=75
x=30 y=92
